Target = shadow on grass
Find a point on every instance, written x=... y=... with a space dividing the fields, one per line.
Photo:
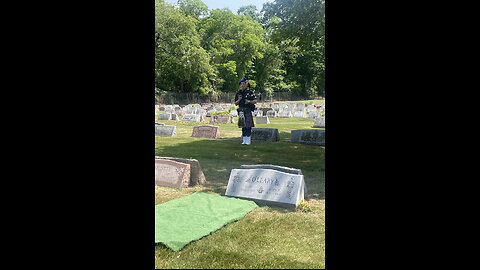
x=162 y=245
x=217 y=157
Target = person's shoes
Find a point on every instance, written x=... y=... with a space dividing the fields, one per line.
x=247 y=140
x=244 y=140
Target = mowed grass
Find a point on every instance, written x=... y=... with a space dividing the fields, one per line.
x=268 y=237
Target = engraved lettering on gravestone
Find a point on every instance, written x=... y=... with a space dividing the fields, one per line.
x=171 y=174
x=266 y=185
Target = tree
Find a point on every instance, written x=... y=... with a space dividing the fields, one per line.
x=233 y=43
x=193 y=8
x=301 y=23
x=280 y=49
x=181 y=64
x=250 y=11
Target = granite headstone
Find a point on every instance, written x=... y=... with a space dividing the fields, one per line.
x=206 y=131
x=220 y=118
x=308 y=136
x=262 y=120
x=196 y=174
x=165 y=131
x=265 y=135
x=266 y=187
x=169 y=173
x=193 y=117
x=319 y=122
x=165 y=116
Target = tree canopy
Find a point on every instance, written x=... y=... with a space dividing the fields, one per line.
x=280 y=48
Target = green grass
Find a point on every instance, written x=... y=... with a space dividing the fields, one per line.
x=268 y=237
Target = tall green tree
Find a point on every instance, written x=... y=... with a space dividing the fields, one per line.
x=194 y=8
x=181 y=64
x=280 y=49
x=250 y=11
x=301 y=24
x=233 y=43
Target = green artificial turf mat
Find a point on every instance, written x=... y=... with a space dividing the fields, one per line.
x=183 y=220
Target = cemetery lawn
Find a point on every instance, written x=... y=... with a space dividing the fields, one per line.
x=268 y=237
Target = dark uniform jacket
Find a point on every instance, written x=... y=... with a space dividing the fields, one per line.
x=247 y=94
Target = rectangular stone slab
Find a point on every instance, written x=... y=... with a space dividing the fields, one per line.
x=220 y=118
x=271 y=113
x=169 y=173
x=165 y=131
x=265 y=135
x=266 y=187
x=206 y=131
x=196 y=174
x=308 y=136
x=319 y=122
x=285 y=114
x=192 y=117
x=299 y=113
x=262 y=120
x=165 y=116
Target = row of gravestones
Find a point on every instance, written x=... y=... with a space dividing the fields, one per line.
x=219 y=118
x=257 y=113
x=265 y=184
x=283 y=110
x=223 y=106
x=205 y=131
x=225 y=119
x=302 y=136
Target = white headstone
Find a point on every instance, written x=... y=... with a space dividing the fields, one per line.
x=319 y=122
x=165 y=116
x=271 y=113
x=266 y=186
x=285 y=114
x=234 y=113
x=299 y=113
x=300 y=107
x=262 y=120
x=165 y=131
x=192 y=118
x=313 y=114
